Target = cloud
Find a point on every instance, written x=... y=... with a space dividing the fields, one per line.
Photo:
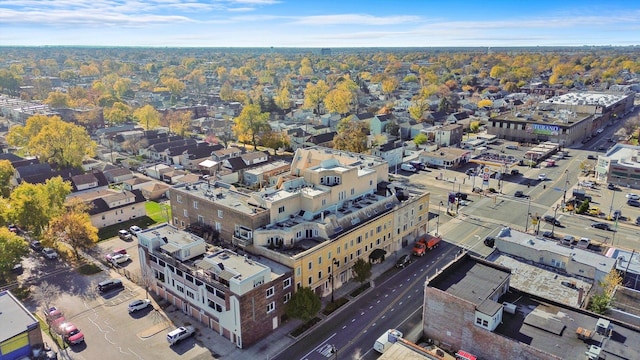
x=355 y=19
x=241 y=9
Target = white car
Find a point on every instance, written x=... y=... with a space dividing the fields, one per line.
x=49 y=253
x=139 y=305
x=631 y=196
x=588 y=184
x=134 y=230
x=179 y=334
x=119 y=258
x=542 y=177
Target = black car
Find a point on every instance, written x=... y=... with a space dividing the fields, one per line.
x=612 y=187
x=591 y=157
x=520 y=194
x=638 y=220
x=110 y=285
x=551 y=220
x=634 y=203
x=36 y=246
x=490 y=241
x=461 y=196
x=548 y=235
x=403 y=261
x=601 y=226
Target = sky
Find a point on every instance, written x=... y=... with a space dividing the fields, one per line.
x=319 y=23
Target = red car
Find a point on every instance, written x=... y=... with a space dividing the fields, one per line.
x=71 y=333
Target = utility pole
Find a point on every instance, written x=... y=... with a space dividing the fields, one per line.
x=526 y=224
x=613 y=195
x=564 y=195
x=438 y=220
x=553 y=226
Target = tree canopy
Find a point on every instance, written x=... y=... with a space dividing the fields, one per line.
x=304 y=304
x=250 y=124
x=362 y=269
x=352 y=135
x=73 y=227
x=12 y=248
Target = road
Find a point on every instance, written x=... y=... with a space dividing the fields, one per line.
x=396 y=298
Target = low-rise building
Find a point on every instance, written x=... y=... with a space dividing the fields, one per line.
x=109 y=206
x=20 y=332
x=620 y=165
x=239 y=297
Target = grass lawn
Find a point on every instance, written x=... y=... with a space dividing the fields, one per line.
x=156 y=213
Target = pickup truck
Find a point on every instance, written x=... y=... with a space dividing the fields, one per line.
x=179 y=334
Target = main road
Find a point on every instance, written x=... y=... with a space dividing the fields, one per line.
x=394 y=302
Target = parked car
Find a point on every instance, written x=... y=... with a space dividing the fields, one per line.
x=120 y=251
x=36 y=246
x=542 y=177
x=617 y=214
x=548 y=235
x=119 y=259
x=408 y=167
x=515 y=172
x=490 y=241
x=551 y=220
x=110 y=284
x=461 y=196
x=520 y=194
x=14 y=229
x=49 y=253
x=601 y=226
x=611 y=186
x=124 y=235
x=138 y=305
x=179 y=334
x=632 y=196
x=591 y=157
x=71 y=334
x=403 y=261
x=134 y=230
x=569 y=239
x=634 y=203
x=511 y=147
x=638 y=220
x=470 y=171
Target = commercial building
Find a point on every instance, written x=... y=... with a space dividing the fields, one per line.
x=20 y=332
x=240 y=297
x=470 y=304
x=620 y=165
x=331 y=209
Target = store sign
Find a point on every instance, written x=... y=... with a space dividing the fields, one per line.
x=543 y=129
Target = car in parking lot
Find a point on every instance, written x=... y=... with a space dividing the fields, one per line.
x=117 y=251
x=551 y=220
x=542 y=177
x=520 y=194
x=511 y=147
x=117 y=259
x=134 y=230
x=569 y=239
x=591 y=157
x=71 y=334
x=403 y=261
x=634 y=203
x=124 y=235
x=138 y=305
x=462 y=196
x=548 y=235
x=36 y=246
x=611 y=186
x=632 y=196
x=49 y=253
x=110 y=284
x=177 y=335
x=617 y=214
x=601 y=226
x=638 y=220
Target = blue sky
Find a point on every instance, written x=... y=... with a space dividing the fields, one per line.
x=318 y=23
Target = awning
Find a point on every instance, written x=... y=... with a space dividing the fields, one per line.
x=377 y=254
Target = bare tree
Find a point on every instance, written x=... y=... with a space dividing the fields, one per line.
x=44 y=293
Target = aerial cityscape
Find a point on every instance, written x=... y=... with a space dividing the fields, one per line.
x=262 y=179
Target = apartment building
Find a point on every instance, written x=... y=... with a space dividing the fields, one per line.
x=620 y=166
x=241 y=298
x=332 y=208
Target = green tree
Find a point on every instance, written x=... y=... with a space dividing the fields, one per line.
x=250 y=124
x=474 y=126
x=273 y=140
x=599 y=303
x=148 y=117
x=304 y=304
x=362 y=270
x=352 y=135
x=6 y=172
x=583 y=208
x=73 y=227
x=12 y=248
x=420 y=139
x=33 y=205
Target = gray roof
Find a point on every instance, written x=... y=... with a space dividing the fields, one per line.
x=14 y=317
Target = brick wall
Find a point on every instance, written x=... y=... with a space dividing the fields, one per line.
x=450 y=321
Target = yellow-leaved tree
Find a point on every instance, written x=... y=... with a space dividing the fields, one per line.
x=250 y=124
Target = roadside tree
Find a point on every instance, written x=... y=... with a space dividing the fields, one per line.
x=362 y=269
x=72 y=227
x=352 y=135
x=6 y=172
x=251 y=124
x=304 y=304
x=12 y=248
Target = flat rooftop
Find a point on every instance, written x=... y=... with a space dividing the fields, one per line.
x=14 y=317
x=625 y=155
x=557 y=118
x=221 y=193
x=544 y=283
x=551 y=327
x=471 y=279
x=172 y=234
x=600 y=99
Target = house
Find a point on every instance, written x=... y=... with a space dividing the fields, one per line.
x=20 y=333
x=108 y=206
x=392 y=152
x=157 y=170
x=222 y=154
x=154 y=190
x=242 y=298
x=266 y=174
x=135 y=183
x=378 y=123
x=449 y=135
x=91 y=180
x=325 y=140
x=445 y=157
x=118 y=175
x=457 y=116
x=172 y=176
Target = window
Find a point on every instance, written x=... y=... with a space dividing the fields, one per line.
x=179 y=199
x=310 y=280
x=319 y=275
x=324 y=202
x=218 y=226
x=353 y=191
x=378 y=229
x=280 y=209
x=310 y=265
x=270 y=292
x=200 y=220
x=195 y=204
x=478 y=321
x=485 y=323
x=286 y=283
x=298 y=271
x=190 y=295
x=220 y=214
x=358 y=239
x=258 y=282
x=287 y=297
x=359 y=252
x=271 y=307
x=185 y=213
x=180 y=288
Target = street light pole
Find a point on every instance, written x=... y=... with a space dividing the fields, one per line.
x=564 y=195
x=526 y=224
x=611 y=206
x=438 y=220
x=553 y=226
x=333 y=287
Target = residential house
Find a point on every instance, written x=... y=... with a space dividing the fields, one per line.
x=457 y=116
x=241 y=298
x=265 y=175
x=118 y=175
x=108 y=206
x=449 y=135
x=392 y=152
x=155 y=190
x=156 y=171
x=172 y=176
x=135 y=183
x=324 y=140
x=90 y=180
x=378 y=123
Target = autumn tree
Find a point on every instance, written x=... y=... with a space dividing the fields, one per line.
x=73 y=227
x=420 y=139
x=147 y=116
x=485 y=103
x=304 y=304
x=118 y=113
x=352 y=135
x=13 y=248
x=250 y=124
x=121 y=87
x=418 y=108
x=53 y=140
x=389 y=85
x=179 y=122
x=58 y=100
x=274 y=140
x=314 y=95
x=175 y=86
x=282 y=99
x=33 y=205
x=474 y=126
x=6 y=172
x=226 y=91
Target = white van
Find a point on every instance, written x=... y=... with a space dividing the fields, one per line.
x=408 y=167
